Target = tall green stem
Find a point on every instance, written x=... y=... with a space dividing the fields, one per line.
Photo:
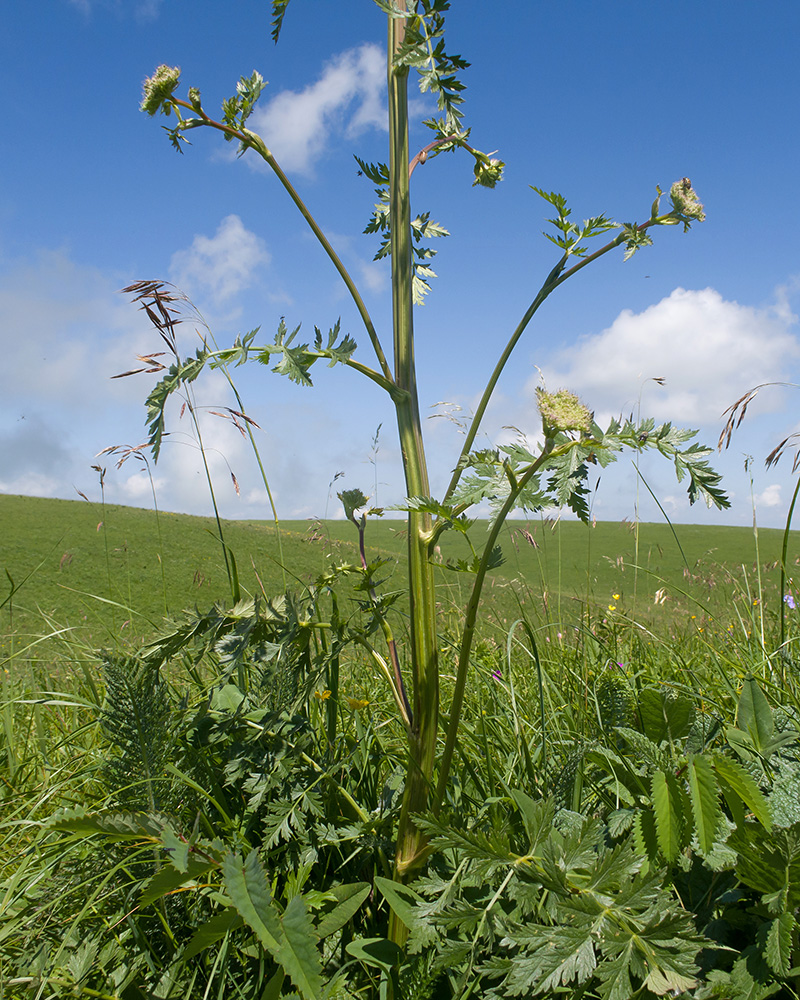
x=423 y=646
x=468 y=632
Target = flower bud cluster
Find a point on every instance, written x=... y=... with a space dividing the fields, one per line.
x=158 y=89
x=562 y=411
x=685 y=201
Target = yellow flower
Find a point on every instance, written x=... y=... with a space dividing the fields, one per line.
x=356 y=704
x=615 y=597
x=612 y=607
x=322 y=695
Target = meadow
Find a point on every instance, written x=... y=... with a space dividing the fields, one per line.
x=432 y=758
x=158 y=740
x=110 y=574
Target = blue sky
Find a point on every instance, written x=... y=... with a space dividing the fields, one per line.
x=597 y=99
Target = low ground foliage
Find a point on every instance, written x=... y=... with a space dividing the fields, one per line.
x=213 y=811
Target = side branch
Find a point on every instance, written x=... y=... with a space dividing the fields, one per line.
x=256 y=143
x=556 y=277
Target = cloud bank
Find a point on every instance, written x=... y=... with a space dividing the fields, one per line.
x=347 y=99
x=708 y=351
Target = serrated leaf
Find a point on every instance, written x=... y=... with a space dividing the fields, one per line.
x=563 y=955
x=291 y=940
x=115 y=826
x=298 y=953
x=666 y=806
x=247 y=887
x=645 y=839
x=705 y=800
x=615 y=978
x=778 y=951
x=663 y=981
x=743 y=785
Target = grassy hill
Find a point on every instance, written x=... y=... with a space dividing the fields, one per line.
x=116 y=571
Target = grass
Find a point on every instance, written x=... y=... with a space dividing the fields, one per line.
x=598 y=631
x=84 y=567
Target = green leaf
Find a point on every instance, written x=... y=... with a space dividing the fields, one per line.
x=705 y=800
x=177 y=848
x=211 y=931
x=537 y=815
x=778 y=951
x=664 y=716
x=115 y=826
x=348 y=901
x=278 y=14
x=272 y=991
x=247 y=887
x=377 y=952
x=298 y=953
x=645 y=838
x=401 y=898
x=754 y=715
x=666 y=805
x=168 y=879
x=742 y=784
x=291 y=941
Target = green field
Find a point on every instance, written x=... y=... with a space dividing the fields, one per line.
x=99 y=570
x=632 y=715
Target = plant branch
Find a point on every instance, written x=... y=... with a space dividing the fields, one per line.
x=556 y=277
x=256 y=143
x=468 y=632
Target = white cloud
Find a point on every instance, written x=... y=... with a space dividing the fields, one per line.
x=220 y=266
x=348 y=98
x=64 y=331
x=770 y=497
x=709 y=351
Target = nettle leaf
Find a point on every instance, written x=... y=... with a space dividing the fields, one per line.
x=668 y=808
x=704 y=793
x=778 y=951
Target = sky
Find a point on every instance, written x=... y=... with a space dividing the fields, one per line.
x=600 y=100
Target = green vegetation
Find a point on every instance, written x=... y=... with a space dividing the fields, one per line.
x=215 y=811
x=98 y=570
x=431 y=759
